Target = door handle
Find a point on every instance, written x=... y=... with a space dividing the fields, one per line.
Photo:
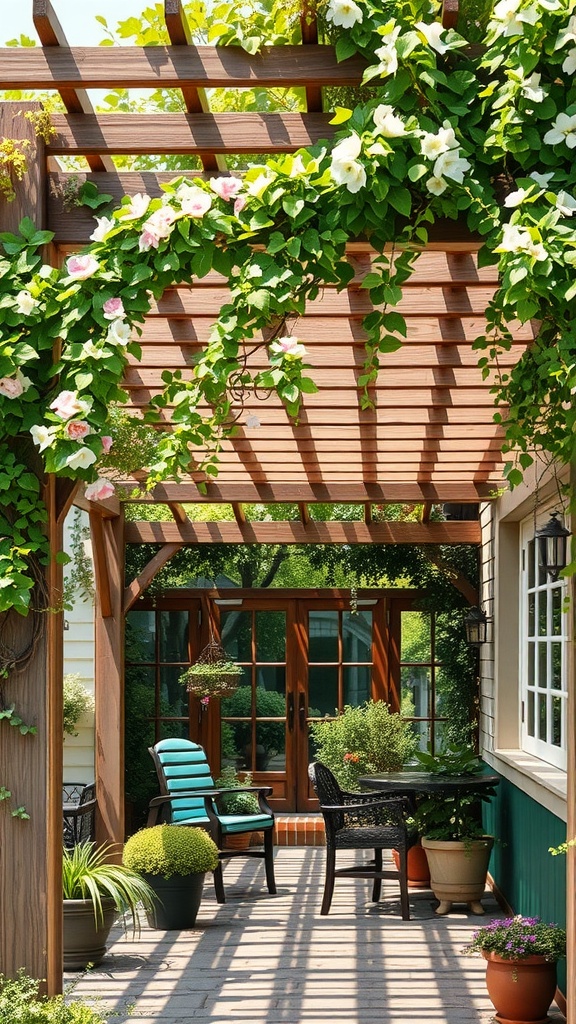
x=291 y=711
x=301 y=710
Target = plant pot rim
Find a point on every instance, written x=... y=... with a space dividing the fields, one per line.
x=456 y=844
x=107 y=902
x=533 y=960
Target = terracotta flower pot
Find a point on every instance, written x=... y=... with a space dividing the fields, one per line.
x=521 y=990
x=418 y=869
x=241 y=841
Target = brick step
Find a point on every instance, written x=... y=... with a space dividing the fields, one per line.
x=299 y=830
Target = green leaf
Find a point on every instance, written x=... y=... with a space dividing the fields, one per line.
x=401 y=200
x=341 y=115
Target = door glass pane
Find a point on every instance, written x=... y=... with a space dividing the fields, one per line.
x=237 y=745
x=542 y=614
x=236 y=635
x=323 y=689
x=357 y=636
x=174 y=730
x=173 y=635
x=270 y=691
x=323 y=636
x=531 y=658
x=557 y=611
x=542 y=665
x=270 y=636
x=531 y=614
x=530 y=557
x=442 y=690
x=357 y=680
x=140 y=636
x=423 y=731
x=542 y=716
x=557 y=721
x=415 y=637
x=173 y=696
x=270 y=746
x=556 y=680
x=530 y=703
x=416 y=684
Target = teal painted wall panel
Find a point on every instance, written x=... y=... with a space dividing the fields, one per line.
x=532 y=881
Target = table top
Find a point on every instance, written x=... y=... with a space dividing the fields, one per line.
x=426 y=782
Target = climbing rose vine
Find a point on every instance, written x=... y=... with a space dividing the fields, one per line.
x=447 y=132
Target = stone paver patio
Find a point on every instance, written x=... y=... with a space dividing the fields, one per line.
x=274 y=960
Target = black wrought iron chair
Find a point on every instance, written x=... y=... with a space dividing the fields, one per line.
x=189 y=797
x=79 y=816
x=362 y=821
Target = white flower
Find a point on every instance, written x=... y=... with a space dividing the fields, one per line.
x=119 y=333
x=136 y=208
x=565 y=203
x=532 y=90
x=25 y=303
x=451 y=165
x=81 y=267
x=567 y=34
x=25 y=382
x=519 y=240
x=257 y=186
x=288 y=348
x=81 y=459
x=390 y=126
x=569 y=65
x=252 y=422
x=515 y=198
x=344 y=13
x=388 y=59
x=42 y=436
x=563 y=130
x=92 y=351
x=103 y=226
x=436 y=185
x=506 y=11
x=67 y=404
x=194 y=201
x=541 y=179
x=345 y=169
x=432 y=35
x=434 y=145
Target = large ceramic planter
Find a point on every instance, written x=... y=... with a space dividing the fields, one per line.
x=521 y=990
x=84 y=939
x=458 y=871
x=177 y=900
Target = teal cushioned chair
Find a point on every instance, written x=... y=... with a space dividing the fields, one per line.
x=189 y=797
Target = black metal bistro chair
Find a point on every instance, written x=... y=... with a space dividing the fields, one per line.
x=362 y=821
x=78 y=809
x=189 y=797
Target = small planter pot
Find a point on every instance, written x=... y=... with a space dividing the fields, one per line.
x=84 y=940
x=521 y=990
x=458 y=871
x=418 y=869
x=177 y=900
x=238 y=842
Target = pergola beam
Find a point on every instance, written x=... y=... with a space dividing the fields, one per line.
x=313 y=532
x=337 y=493
x=175 y=67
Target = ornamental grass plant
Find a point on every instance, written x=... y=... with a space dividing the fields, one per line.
x=87 y=874
x=517 y=938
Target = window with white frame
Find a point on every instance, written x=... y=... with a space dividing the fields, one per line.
x=543 y=656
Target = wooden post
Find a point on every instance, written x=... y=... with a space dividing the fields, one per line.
x=31 y=765
x=108 y=545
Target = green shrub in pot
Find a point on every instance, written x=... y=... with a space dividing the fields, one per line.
x=236 y=803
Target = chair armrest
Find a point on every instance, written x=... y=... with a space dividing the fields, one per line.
x=77 y=812
x=156 y=803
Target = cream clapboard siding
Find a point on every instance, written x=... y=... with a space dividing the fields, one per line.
x=79 y=659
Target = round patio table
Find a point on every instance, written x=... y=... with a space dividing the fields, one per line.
x=412 y=783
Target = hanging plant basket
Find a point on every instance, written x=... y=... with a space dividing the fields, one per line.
x=212 y=674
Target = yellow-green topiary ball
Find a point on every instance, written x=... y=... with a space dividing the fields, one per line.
x=170 y=850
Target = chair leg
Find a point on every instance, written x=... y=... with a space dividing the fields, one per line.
x=269 y=860
x=405 y=905
x=219 y=883
x=377 y=887
x=329 y=884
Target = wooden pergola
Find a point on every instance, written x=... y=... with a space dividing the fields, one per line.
x=428 y=438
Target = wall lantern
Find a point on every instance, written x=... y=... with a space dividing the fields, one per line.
x=475 y=624
x=552 y=545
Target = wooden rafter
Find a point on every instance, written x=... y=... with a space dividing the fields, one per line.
x=345 y=493
x=313 y=532
x=75 y=100
x=137 y=587
x=98 y=526
x=239 y=513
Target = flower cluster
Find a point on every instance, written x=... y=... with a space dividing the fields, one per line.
x=516 y=938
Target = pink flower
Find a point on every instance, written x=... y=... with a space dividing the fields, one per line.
x=147 y=241
x=99 y=490
x=68 y=404
x=194 y=201
x=239 y=204
x=77 y=429
x=113 y=308
x=10 y=387
x=159 y=224
x=81 y=267
x=226 y=188
x=288 y=348
x=107 y=443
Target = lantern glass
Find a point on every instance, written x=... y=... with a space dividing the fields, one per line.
x=475 y=624
x=552 y=546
